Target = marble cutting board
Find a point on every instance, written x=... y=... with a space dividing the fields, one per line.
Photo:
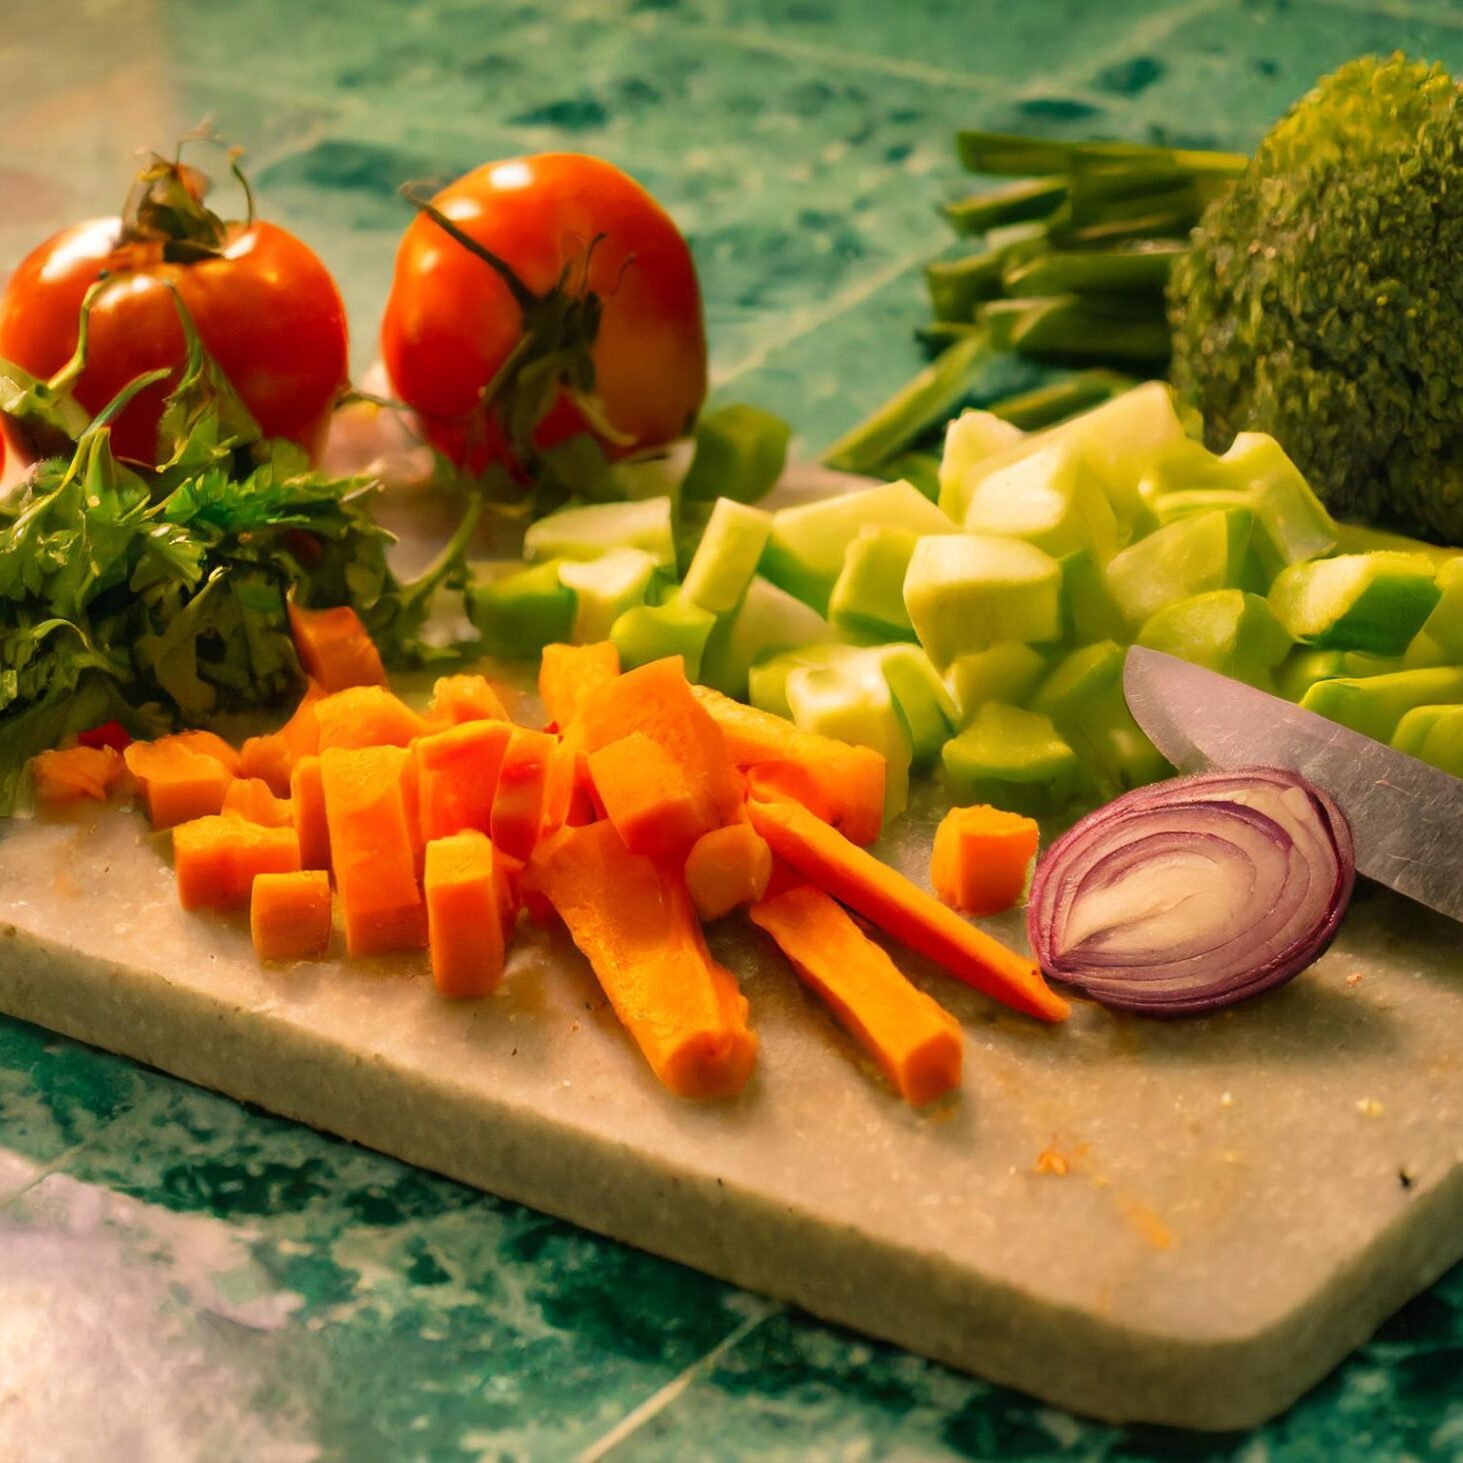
x=1185 y=1223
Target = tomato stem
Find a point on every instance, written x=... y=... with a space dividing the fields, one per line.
x=523 y=297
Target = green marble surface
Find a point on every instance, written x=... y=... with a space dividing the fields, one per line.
x=184 y=1278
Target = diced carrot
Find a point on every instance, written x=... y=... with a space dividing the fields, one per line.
x=371 y=848
x=177 y=783
x=249 y=798
x=456 y=699
x=217 y=859
x=569 y=674
x=366 y=716
x=727 y=868
x=73 y=774
x=289 y=915
x=656 y=699
x=518 y=801
x=981 y=858
x=636 y=928
x=207 y=744
x=649 y=797
x=464 y=914
x=301 y=732
x=335 y=649
x=914 y=1040
x=567 y=799
x=828 y=860
x=851 y=778
x=267 y=758
x=769 y=781
x=109 y=734
x=458 y=775
x=307 y=800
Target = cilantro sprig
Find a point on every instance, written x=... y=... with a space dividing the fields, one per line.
x=159 y=597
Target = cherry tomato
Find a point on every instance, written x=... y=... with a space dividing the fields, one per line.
x=265 y=307
x=562 y=224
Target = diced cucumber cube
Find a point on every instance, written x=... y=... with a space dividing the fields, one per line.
x=519 y=611
x=653 y=632
x=1089 y=612
x=1226 y=630
x=1050 y=499
x=806 y=549
x=1291 y=523
x=1011 y=759
x=1006 y=672
x=853 y=703
x=604 y=589
x=1374 y=602
x=586 y=532
x=740 y=453
x=1118 y=439
x=1376 y=704
x=767 y=680
x=972 y=438
x=1304 y=668
x=767 y=620
x=1444 y=626
x=868 y=595
x=929 y=711
x=1169 y=507
x=1434 y=734
x=726 y=558
x=1178 y=561
x=969 y=591
x=1425 y=652
x=1078 y=677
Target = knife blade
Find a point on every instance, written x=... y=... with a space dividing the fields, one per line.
x=1406 y=817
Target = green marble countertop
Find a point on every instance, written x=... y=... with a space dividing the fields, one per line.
x=184 y=1278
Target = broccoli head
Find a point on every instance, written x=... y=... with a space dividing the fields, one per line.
x=1322 y=300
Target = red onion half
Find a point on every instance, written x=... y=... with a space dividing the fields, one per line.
x=1193 y=894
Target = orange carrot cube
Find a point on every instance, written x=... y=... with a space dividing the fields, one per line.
x=249 y=798
x=307 y=802
x=72 y=774
x=457 y=772
x=456 y=699
x=518 y=801
x=289 y=915
x=569 y=674
x=217 y=859
x=464 y=914
x=366 y=716
x=981 y=858
x=177 y=783
x=335 y=649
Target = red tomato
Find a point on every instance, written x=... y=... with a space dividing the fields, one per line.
x=266 y=309
x=451 y=319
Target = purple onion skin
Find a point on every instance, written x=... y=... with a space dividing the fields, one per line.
x=1214 y=995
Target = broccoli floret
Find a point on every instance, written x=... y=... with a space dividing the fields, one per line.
x=1322 y=300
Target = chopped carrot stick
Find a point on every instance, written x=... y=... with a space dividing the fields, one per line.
x=656 y=699
x=636 y=928
x=366 y=716
x=73 y=774
x=567 y=798
x=727 y=868
x=769 y=781
x=371 y=848
x=464 y=914
x=267 y=759
x=981 y=858
x=569 y=674
x=850 y=778
x=207 y=744
x=335 y=649
x=826 y=859
x=218 y=858
x=914 y=1040
x=177 y=783
x=456 y=699
x=649 y=797
x=307 y=800
x=289 y=915
x=518 y=801
x=457 y=771
x=249 y=798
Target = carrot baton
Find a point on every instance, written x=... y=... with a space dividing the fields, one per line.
x=828 y=860
x=911 y=1036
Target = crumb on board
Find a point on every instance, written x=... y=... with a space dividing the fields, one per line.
x=1052 y=1162
x=1369 y=1107
x=1355 y=978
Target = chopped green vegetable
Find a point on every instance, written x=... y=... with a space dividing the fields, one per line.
x=1050 y=499
x=1227 y=630
x=1180 y=560
x=1376 y=705
x=1006 y=672
x=518 y=611
x=966 y=592
x=868 y=596
x=1043 y=406
x=740 y=453
x=767 y=621
x=1012 y=759
x=604 y=588
x=727 y=556
x=1444 y=627
x=1434 y=734
x=652 y=632
x=586 y=532
x=1373 y=602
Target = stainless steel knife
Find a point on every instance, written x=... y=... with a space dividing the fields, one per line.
x=1407 y=817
